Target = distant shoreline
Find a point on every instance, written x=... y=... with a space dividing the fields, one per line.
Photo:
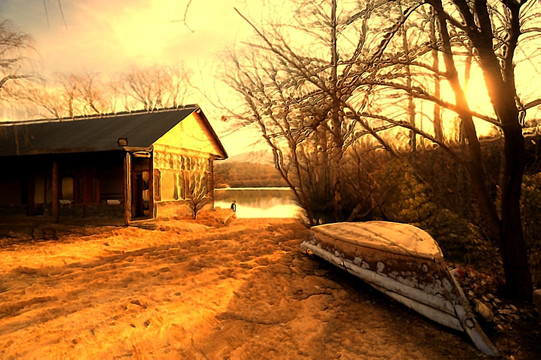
x=255 y=188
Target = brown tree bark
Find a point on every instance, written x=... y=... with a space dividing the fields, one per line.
x=506 y=229
x=438 y=126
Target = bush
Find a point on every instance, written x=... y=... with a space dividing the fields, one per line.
x=531 y=208
x=411 y=200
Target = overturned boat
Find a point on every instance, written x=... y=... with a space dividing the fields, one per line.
x=403 y=262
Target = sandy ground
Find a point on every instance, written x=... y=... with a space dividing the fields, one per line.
x=196 y=290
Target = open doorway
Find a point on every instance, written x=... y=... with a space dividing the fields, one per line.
x=141 y=189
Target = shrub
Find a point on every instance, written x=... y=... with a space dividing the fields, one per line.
x=531 y=208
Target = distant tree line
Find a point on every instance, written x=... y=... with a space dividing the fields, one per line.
x=246 y=174
x=89 y=94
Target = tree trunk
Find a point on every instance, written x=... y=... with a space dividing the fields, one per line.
x=499 y=78
x=474 y=165
x=438 y=127
x=411 y=104
x=513 y=245
x=336 y=131
x=55 y=196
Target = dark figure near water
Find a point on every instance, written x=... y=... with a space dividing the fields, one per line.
x=234 y=205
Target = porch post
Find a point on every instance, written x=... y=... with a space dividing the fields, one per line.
x=31 y=207
x=151 y=186
x=211 y=180
x=55 y=191
x=127 y=188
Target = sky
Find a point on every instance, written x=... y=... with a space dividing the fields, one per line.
x=110 y=36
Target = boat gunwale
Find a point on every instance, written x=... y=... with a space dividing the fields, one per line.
x=397 y=250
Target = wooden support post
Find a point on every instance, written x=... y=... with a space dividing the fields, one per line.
x=211 y=180
x=127 y=188
x=151 y=187
x=87 y=189
x=31 y=207
x=55 y=183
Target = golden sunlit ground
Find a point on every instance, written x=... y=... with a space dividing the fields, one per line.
x=181 y=289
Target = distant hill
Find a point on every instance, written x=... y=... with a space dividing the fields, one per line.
x=254 y=169
x=258 y=157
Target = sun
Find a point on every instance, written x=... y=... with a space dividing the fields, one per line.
x=477 y=93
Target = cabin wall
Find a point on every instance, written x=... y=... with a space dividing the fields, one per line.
x=10 y=196
x=10 y=191
x=183 y=170
x=181 y=178
x=89 y=185
x=17 y=185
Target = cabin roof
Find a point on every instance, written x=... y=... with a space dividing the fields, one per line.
x=92 y=134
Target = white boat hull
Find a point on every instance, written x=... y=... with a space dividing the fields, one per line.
x=420 y=281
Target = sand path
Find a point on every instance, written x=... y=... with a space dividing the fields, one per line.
x=184 y=290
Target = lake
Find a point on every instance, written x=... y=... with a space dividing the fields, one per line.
x=269 y=202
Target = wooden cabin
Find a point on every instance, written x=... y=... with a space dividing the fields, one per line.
x=130 y=165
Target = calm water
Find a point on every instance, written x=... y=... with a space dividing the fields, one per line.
x=275 y=202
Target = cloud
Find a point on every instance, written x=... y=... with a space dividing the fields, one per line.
x=107 y=36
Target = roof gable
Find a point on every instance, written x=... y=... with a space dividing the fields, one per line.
x=193 y=133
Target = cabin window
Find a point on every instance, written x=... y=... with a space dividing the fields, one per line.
x=181 y=185
x=196 y=184
x=145 y=175
x=176 y=188
x=67 y=188
x=157 y=186
x=86 y=189
x=204 y=183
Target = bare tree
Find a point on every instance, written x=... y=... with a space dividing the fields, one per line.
x=70 y=86
x=93 y=96
x=197 y=191
x=14 y=47
x=437 y=120
x=86 y=94
x=303 y=101
x=156 y=86
x=46 y=98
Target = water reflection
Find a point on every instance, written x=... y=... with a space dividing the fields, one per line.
x=273 y=202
